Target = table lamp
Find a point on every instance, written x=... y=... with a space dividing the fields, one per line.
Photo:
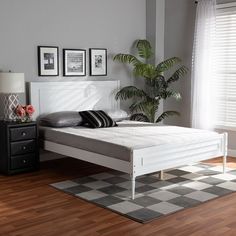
x=11 y=84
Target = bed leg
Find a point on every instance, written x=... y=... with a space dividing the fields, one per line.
x=133 y=187
x=224 y=163
x=225 y=152
x=161 y=175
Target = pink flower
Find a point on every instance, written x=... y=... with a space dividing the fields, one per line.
x=20 y=111
x=29 y=110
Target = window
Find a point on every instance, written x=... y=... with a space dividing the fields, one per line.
x=225 y=65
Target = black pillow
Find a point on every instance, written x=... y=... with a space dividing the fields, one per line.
x=61 y=119
x=97 y=119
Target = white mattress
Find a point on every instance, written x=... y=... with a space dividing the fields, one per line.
x=119 y=142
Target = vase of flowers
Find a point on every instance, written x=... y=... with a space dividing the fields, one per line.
x=24 y=113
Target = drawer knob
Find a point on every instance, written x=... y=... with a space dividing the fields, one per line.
x=23 y=133
x=24 y=161
x=24 y=148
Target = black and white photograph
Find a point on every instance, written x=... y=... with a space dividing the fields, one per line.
x=74 y=62
x=98 y=61
x=48 y=61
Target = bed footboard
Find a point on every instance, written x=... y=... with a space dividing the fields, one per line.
x=150 y=160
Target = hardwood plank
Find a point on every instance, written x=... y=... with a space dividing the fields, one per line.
x=30 y=207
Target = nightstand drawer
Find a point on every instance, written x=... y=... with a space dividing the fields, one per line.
x=22 y=133
x=25 y=161
x=18 y=148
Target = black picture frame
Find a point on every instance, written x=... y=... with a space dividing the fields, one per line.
x=48 y=61
x=98 y=61
x=74 y=62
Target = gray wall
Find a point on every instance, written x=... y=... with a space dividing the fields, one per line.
x=155 y=29
x=111 y=24
x=155 y=32
x=179 y=31
x=178 y=22
x=151 y=23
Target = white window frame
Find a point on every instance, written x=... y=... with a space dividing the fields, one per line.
x=223 y=6
x=226 y=5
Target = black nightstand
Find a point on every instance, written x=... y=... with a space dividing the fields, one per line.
x=19 y=151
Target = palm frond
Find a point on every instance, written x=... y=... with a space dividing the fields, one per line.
x=169 y=93
x=166 y=114
x=144 y=49
x=182 y=71
x=139 y=117
x=126 y=58
x=137 y=106
x=155 y=81
x=167 y=64
x=156 y=85
x=130 y=92
x=151 y=110
x=145 y=70
x=143 y=105
x=148 y=107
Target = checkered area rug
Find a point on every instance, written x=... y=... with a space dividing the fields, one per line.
x=181 y=188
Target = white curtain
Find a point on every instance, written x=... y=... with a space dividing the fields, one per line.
x=203 y=111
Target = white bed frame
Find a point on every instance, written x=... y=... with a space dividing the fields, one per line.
x=56 y=96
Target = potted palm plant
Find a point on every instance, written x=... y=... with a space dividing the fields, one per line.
x=146 y=101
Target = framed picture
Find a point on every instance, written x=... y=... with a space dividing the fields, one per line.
x=74 y=62
x=98 y=61
x=48 y=61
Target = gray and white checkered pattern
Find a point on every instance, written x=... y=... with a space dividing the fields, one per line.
x=181 y=188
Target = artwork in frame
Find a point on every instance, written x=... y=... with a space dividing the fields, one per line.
x=48 y=61
x=98 y=61
x=74 y=62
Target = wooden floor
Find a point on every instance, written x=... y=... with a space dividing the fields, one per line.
x=30 y=207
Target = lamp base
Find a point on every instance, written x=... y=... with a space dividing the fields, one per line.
x=10 y=103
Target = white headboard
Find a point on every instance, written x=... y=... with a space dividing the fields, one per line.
x=49 y=97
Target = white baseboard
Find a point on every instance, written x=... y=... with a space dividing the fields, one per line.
x=231 y=152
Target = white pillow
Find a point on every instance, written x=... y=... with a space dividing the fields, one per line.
x=118 y=115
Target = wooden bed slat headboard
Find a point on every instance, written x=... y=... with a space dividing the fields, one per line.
x=48 y=97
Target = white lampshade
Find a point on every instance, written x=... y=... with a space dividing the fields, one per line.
x=12 y=83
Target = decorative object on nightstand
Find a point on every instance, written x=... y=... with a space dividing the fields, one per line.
x=19 y=151
x=11 y=84
x=24 y=113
